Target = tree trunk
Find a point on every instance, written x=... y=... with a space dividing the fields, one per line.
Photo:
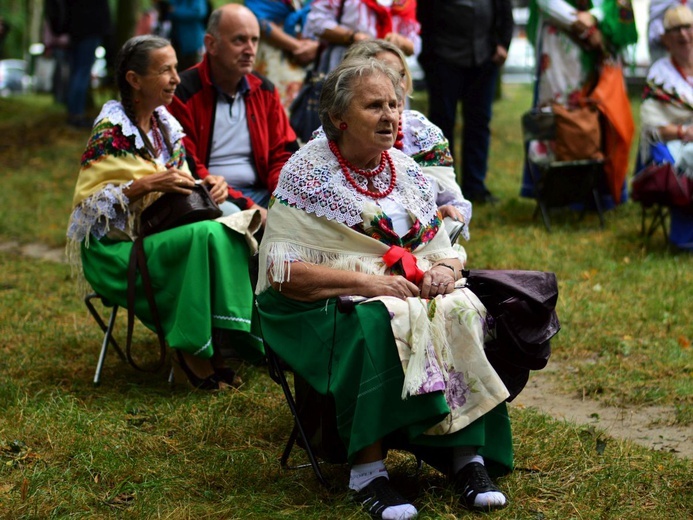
x=127 y=14
x=34 y=17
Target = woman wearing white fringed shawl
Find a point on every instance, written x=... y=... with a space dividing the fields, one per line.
x=351 y=216
x=666 y=113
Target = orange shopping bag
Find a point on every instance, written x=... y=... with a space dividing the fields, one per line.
x=612 y=100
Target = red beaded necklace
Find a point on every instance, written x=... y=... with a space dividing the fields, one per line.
x=345 y=166
x=158 y=141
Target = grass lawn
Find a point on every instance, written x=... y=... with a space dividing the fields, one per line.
x=136 y=448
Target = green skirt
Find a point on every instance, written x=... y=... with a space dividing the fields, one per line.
x=200 y=279
x=353 y=358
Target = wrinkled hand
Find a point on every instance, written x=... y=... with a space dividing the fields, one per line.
x=387 y=285
x=172 y=180
x=404 y=43
x=437 y=281
x=218 y=189
x=306 y=51
x=500 y=55
x=585 y=18
x=448 y=210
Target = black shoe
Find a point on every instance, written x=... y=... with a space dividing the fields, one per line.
x=221 y=377
x=378 y=496
x=473 y=480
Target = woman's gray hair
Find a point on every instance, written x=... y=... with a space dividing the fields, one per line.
x=371 y=49
x=338 y=89
x=134 y=56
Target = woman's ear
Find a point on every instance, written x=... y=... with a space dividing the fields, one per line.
x=133 y=79
x=336 y=120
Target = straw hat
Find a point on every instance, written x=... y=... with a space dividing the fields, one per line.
x=677 y=16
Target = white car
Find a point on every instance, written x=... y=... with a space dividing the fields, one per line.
x=13 y=77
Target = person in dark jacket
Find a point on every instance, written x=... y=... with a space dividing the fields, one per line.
x=89 y=26
x=464 y=44
x=233 y=118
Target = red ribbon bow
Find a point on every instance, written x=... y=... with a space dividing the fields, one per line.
x=411 y=270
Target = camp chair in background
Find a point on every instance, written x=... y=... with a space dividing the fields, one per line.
x=560 y=183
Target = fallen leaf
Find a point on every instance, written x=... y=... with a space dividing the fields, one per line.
x=684 y=342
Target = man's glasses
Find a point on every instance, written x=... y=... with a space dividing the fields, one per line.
x=678 y=28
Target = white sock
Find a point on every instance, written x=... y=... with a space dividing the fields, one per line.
x=464 y=456
x=363 y=474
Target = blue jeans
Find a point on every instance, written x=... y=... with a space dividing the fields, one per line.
x=475 y=87
x=82 y=58
x=258 y=194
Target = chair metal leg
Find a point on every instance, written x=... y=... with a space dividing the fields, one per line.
x=97 y=317
x=104 y=345
x=598 y=206
x=277 y=374
x=108 y=334
x=544 y=214
x=659 y=219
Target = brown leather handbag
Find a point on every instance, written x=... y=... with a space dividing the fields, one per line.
x=578 y=133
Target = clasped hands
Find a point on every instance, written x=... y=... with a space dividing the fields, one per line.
x=436 y=281
x=586 y=31
x=174 y=180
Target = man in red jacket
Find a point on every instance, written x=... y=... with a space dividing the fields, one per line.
x=233 y=118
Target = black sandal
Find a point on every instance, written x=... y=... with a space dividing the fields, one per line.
x=378 y=496
x=212 y=381
x=471 y=481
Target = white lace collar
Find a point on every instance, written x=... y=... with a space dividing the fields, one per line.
x=312 y=180
x=419 y=133
x=115 y=113
x=664 y=74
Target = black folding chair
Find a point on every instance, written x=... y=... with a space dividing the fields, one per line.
x=653 y=218
x=560 y=183
x=107 y=329
x=107 y=326
x=278 y=372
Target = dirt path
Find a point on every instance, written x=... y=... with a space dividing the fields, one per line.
x=648 y=426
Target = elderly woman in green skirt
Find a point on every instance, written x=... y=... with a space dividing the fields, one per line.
x=354 y=216
x=199 y=271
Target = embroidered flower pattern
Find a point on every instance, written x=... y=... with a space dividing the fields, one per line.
x=381 y=229
x=106 y=139
x=457 y=390
x=114 y=134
